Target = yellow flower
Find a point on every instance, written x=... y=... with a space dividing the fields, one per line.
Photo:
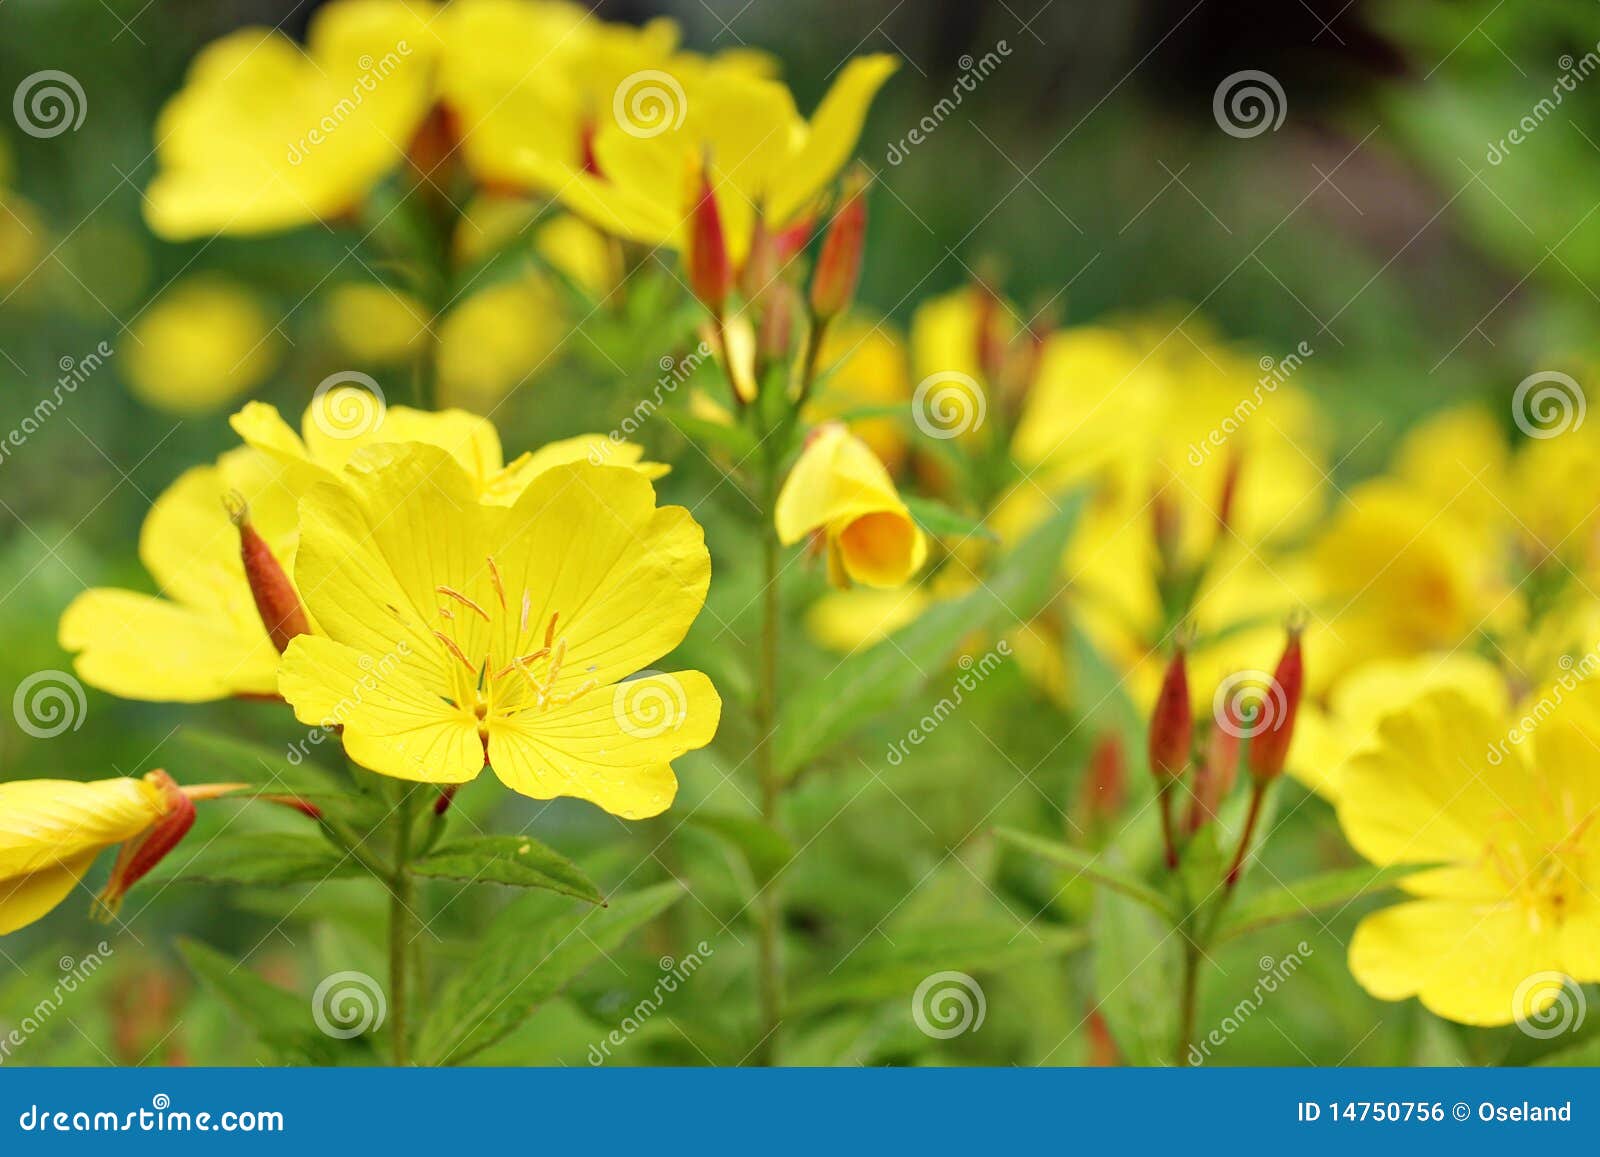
x=375 y=324
x=266 y=135
x=52 y=830
x=200 y=346
x=499 y=338
x=863 y=364
x=1514 y=825
x=201 y=637
x=766 y=161
x=460 y=635
x=840 y=489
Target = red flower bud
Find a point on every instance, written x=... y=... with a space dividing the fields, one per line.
x=1105 y=786
x=276 y=600
x=833 y=285
x=1215 y=777
x=151 y=846
x=710 y=272
x=1270 y=748
x=1172 y=722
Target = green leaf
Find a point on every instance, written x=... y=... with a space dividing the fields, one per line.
x=520 y=861
x=940 y=521
x=280 y=1018
x=1301 y=898
x=510 y=976
x=882 y=970
x=205 y=757
x=872 y=682
x=261 y=858
x=1135 y=977
x=1092 y=866
x=765 y=849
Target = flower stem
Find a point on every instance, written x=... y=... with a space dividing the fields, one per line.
x=769 y=902
x=1258 y=792
x=1187 y=1001
x=402 y=903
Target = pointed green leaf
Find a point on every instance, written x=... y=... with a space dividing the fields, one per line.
x=1092 y=866
x=1136 y=977
x=1328 y=890
x=278 y=1017
x=519 y=861
x=940 y=521
x=262 y=858
x=510 y=976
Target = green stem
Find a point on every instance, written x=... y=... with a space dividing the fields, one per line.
x=402 y=903
x=1187 y=1001
x=1258 y=792
x=769 y=903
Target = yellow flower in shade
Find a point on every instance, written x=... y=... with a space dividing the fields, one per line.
x=765 y=159
x=52 y=830
x=503 y=636
x=375 y=324
x=202 y=637
x=839 y=489
x=267 y=135
x=862 y=365
x=200 y=346
x=1515 y=903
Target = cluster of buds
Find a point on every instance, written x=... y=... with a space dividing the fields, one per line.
x=1214 y=760
x=1009 y=350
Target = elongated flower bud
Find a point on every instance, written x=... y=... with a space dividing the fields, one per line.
x=151 y=846
x=833 y=285
x=1216 y=775
x=276 y=600
x=1105 y=786
x=1172 y=722
x=709 y=270
x=1270 y=749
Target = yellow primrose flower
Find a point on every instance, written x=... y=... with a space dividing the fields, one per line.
x=266 y=135
x=499 y=338
x=200 y=346
x=202 y=637
x=863 y=364
x=376 y=325
x=503 y=637
x=52 y=830
x=766 y=161
x=1514 y=824
x=840 y=489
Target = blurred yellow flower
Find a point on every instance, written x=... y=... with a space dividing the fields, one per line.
x=375 y=324
x=200 y=346
x=1514 y=905
x=52 y=830
x=839 y=488
x=498 y=339
x=266 y=135
x=201 y=637
x=863 y=365
x=504 y=637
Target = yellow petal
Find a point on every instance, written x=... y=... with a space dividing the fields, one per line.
x=832 y=136
x=48 y=822
x=613 y=746
x=1467 y=962
x=600 y=449
x=394 y=723
x=24 y=899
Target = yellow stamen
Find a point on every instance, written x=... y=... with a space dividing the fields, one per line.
x=452 y=593
x=499 y=587
x=454 y=649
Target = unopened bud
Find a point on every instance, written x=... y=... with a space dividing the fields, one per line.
x=710 y=272
x=1216 y=775
x=833 y=285
x=1270 y=749
x=1172 y=722
x=275 y=597
x=1105 y=783
x=149 y=847
x=989 y=329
